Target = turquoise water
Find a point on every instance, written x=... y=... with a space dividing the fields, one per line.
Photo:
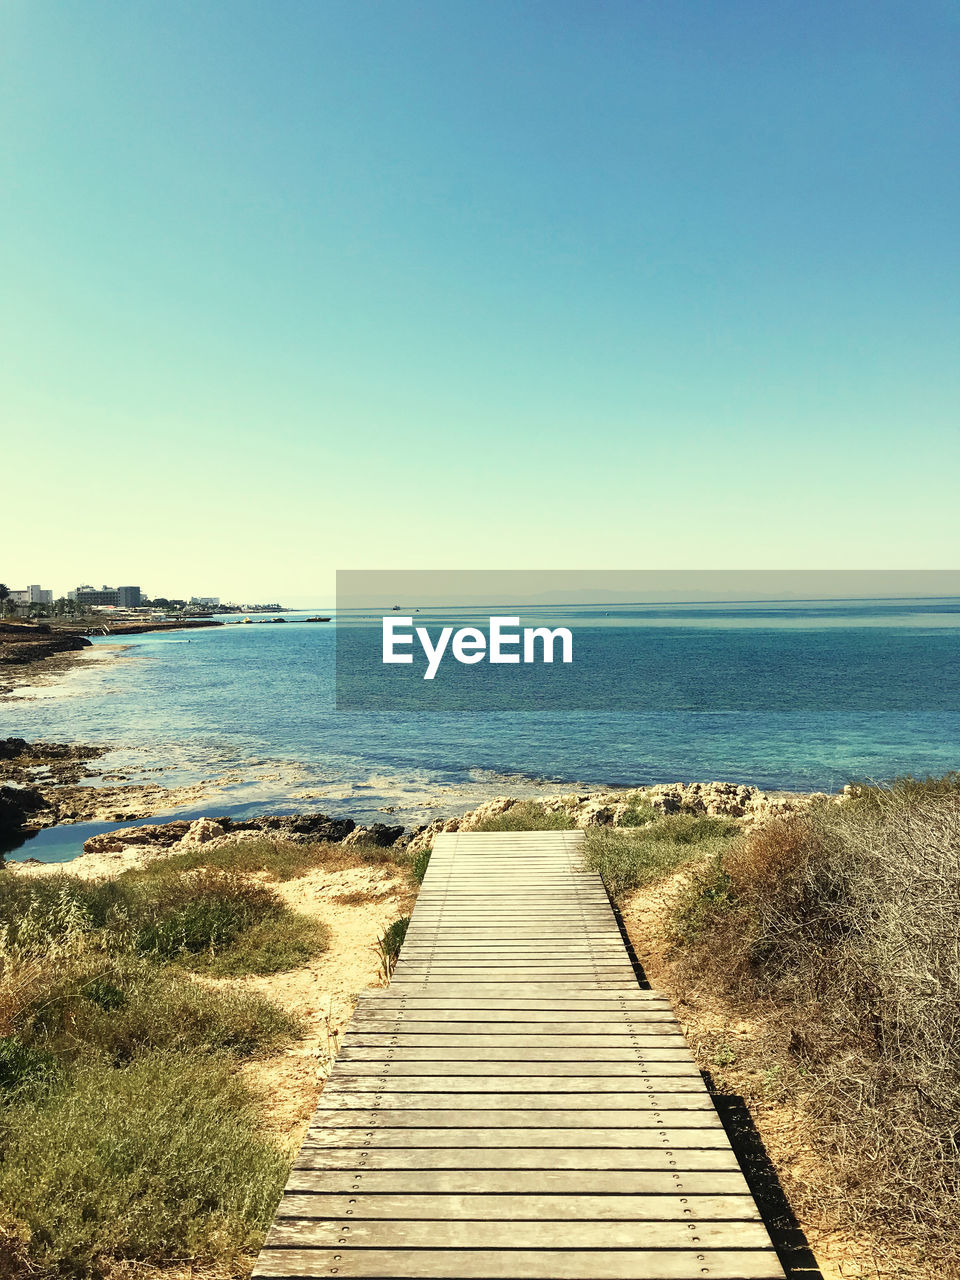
x=251 y=710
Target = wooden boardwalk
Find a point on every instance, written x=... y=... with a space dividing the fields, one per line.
x=515 y=1105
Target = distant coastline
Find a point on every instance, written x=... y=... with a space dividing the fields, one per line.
x=34 y=652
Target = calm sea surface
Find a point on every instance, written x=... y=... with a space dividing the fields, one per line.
x=251 y=710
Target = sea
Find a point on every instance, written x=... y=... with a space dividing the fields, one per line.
x=789 y=695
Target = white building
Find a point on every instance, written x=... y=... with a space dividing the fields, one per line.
x=210 y=601
x=34 y=594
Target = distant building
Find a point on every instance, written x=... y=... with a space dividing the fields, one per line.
x=211 y=601
x=125 y=597
x=91 y=596
x=34 y=594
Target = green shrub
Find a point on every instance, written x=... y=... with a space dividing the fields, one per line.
x=629 y=858
x=708 y=894
x=211 y=919
x=273 y=856
x=43 y=914
x=158 y=1162
x=389 y=944
x=280 y=859
x=418 y=867
x=116 y=1008
x=200 y=912
x=274 y=945
x=637 y=814
x=528 y=815
x=24 y=1067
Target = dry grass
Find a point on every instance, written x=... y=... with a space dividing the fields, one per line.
x=276 y=858
x=355 y=898
x=527 y=815
x=839 y=931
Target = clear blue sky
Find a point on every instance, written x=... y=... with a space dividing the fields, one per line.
x=303 y=285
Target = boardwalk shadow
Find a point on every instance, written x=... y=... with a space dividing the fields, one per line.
x=788 y=1238
x=631 y=954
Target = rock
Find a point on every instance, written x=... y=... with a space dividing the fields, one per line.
x=20 y=805
x=596 y=813
x=200 y=832
x=161 y=835
x=378 y=833
x=301 y=827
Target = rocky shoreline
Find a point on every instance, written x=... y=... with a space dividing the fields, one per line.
x=748 y=804
x=43 y=784
x=33 y=652
x=26 y=650
x=38 y=789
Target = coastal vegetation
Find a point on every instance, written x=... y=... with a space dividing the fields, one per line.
x=836 y=933
x=129 y=1134
x=527 y=815
x=274 y=857
x=638 y=854
x=125 y=1131
x=211 y=920
x=389 y=944
x=158 y=1161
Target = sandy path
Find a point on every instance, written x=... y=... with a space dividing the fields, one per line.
x=323 y=994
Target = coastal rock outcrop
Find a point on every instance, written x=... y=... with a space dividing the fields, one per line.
x=378 y=833
x=21 y=807
x=200 y=832
x=747 y=804
x=181 y=835
x=296 y=826
x=155 y=835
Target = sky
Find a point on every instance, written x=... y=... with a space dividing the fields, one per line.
x=314 y=285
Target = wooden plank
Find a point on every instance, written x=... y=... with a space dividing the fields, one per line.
x=598 y=1075
x=666 y=1138
x=530 y=1038
x=584 y=983
x=525 y=1188
x=550 y=1165
x=389 y=1081
x=347 y=1099
x=599 y=1001
x=514 y=1234
x=518 y=1202
x=462 y=1051
x=520 y=1264
x=388 y=1116
x=474 y=987
x=589 y=1020
x=462 y=1018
